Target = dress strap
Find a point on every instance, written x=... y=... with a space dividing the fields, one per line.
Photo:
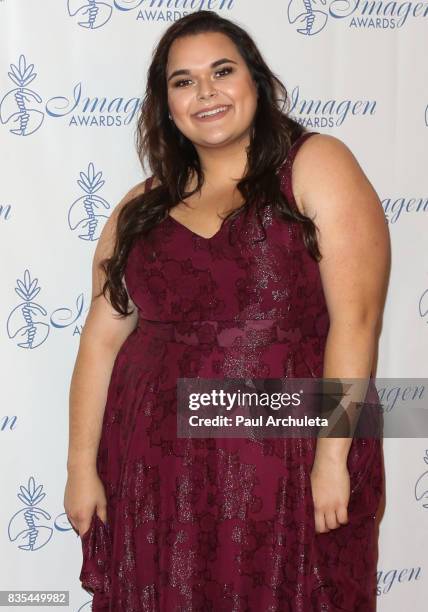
x=286 y=182
x=149 y=182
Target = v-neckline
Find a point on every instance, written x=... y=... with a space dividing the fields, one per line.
x=207 y=239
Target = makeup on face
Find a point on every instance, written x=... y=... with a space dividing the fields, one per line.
x=210 y=99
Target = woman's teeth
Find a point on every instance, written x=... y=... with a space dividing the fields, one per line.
x=213 y=112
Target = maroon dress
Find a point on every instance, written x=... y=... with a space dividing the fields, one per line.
x=224 y=525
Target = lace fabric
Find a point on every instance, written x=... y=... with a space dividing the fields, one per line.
x=202 y=525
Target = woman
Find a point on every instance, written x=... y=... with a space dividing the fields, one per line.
x=172 y=524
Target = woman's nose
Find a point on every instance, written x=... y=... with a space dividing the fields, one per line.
x=206 y=90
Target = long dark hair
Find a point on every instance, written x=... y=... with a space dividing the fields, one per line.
x=172 y=157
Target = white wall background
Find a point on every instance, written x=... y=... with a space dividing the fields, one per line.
x=369 y=72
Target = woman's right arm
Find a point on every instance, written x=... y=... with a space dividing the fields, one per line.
x=102 y=336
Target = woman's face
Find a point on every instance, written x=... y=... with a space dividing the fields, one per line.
x=195 y=85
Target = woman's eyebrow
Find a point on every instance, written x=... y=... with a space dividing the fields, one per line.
x=224 y=60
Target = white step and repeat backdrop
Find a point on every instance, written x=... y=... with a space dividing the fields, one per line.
x=72 y=75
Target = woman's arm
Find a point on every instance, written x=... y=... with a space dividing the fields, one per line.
x=354 y=241
x=102 y=336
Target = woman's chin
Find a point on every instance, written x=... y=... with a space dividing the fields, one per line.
x=217 y=141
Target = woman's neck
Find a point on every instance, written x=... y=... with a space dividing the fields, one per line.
x=224 y=165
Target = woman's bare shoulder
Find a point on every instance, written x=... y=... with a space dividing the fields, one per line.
x=323 y=161
x=136 y=191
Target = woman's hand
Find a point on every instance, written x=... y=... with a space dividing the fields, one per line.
x=330 y=483
x=84 y=493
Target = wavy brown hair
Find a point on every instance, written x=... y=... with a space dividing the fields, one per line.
x=173 y=158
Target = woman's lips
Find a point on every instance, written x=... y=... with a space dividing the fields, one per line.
x=214 y=117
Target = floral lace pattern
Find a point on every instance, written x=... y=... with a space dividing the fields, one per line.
x=222 y=525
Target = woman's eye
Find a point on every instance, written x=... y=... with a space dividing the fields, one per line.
x=225 y=70
x=221 y=73
x=178 y=83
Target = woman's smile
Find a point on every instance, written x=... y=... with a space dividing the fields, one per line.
x=213 y=114
x=212 y=95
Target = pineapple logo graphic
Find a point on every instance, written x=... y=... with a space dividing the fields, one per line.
x=90 y=14
x=24 y=320
x=93 y=14
x=24 y=526
x=306 y=14
x=85 y=212
x=18 y=106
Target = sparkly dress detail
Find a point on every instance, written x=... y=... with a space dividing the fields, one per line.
x=223 y=525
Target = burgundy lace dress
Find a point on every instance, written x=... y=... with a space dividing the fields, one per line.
x=224 y=525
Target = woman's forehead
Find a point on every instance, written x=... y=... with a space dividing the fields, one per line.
x=200 y=50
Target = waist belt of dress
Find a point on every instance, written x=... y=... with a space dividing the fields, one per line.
x=254 y=332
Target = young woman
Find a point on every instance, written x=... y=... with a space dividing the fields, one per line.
x=171 y=523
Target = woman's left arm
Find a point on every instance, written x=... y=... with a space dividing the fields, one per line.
x=355 y=246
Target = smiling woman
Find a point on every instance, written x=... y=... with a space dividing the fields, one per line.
x=221 y=95
x=206 y=524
